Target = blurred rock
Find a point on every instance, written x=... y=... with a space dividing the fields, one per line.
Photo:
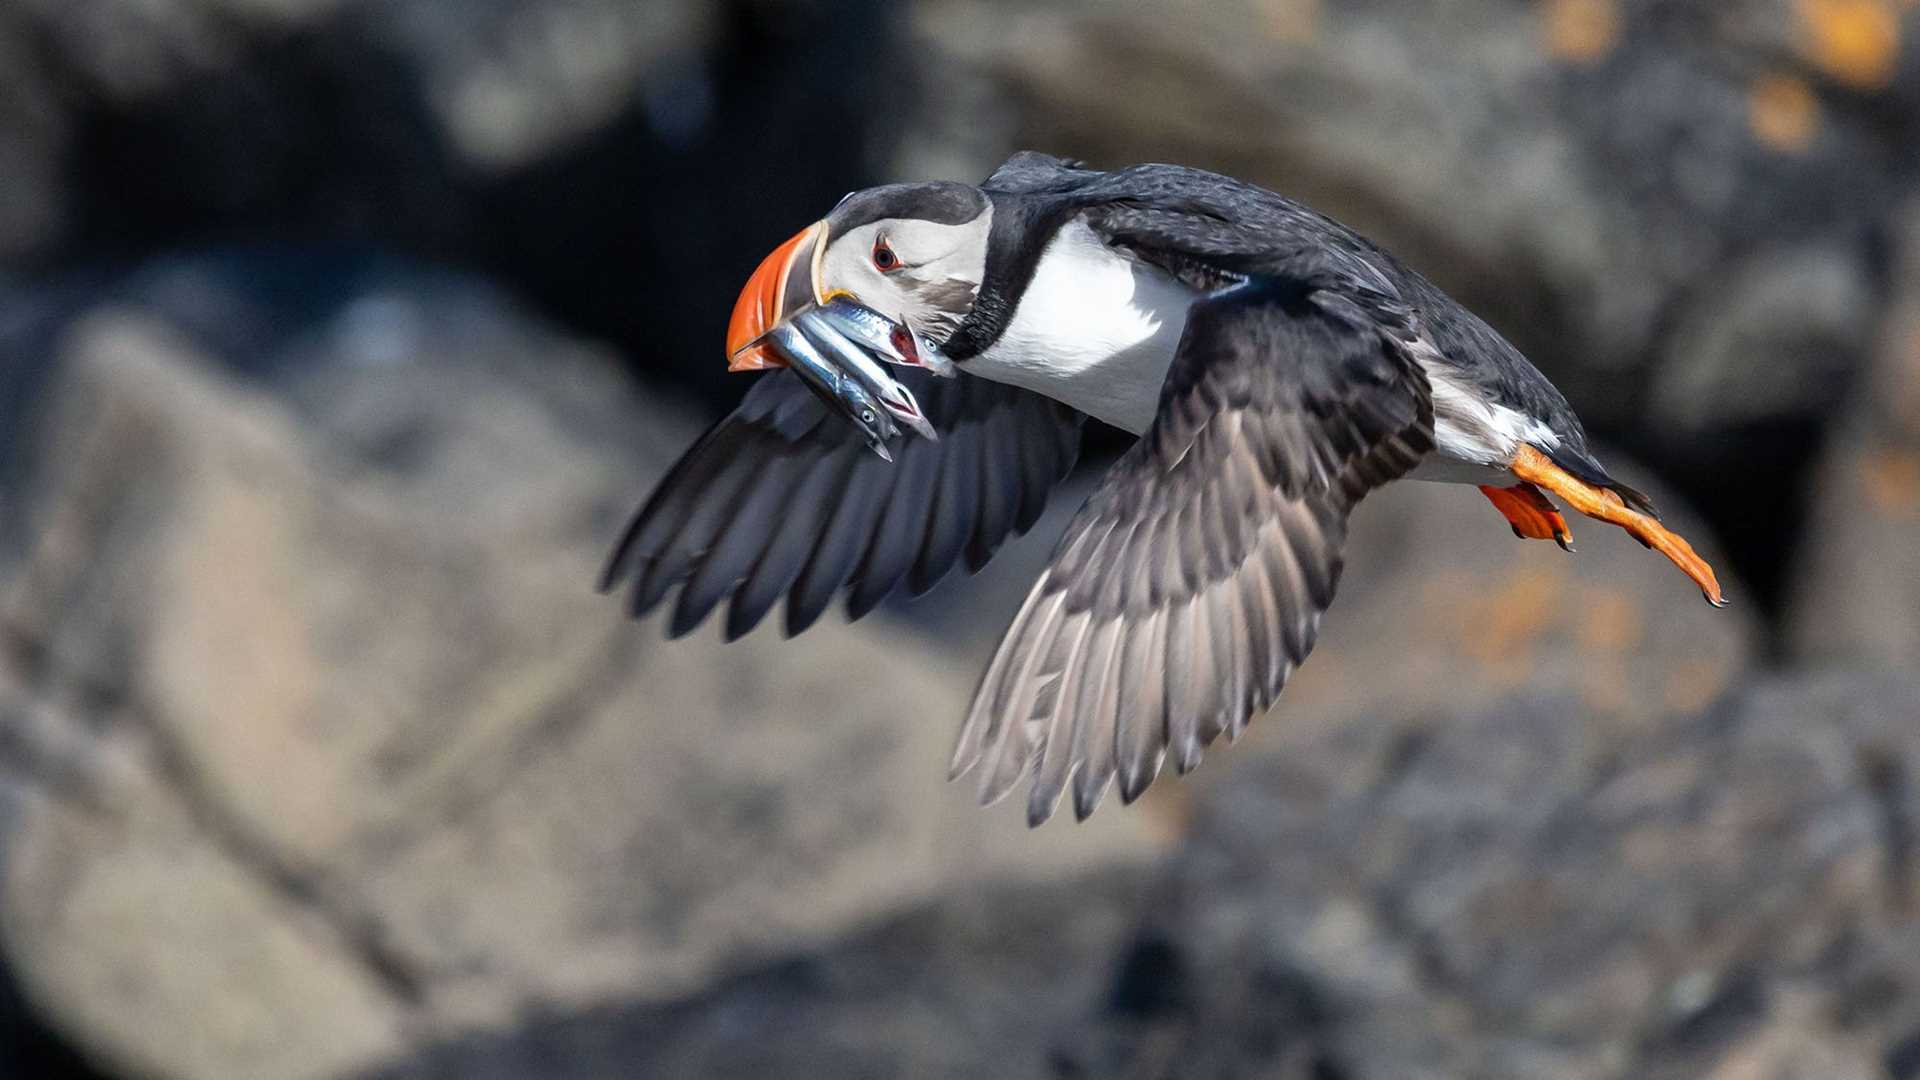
x=609 y=158
x=1442 y=607
x=1856 y=599
x=1435 y=894
x=1526 y=171
x=977 y=984
x=1675 y=210
x=325 y=745
x=1423 y=893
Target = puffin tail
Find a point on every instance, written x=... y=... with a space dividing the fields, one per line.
x=1585 y=468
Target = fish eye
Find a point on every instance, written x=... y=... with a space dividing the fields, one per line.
x=866 y=416
x=884 y=259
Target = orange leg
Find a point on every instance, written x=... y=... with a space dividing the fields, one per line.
x=1530 y=513
x=1600 y=504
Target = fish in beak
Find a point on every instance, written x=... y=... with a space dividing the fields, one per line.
x=782 y=320
x=823 y=328
x=841 y=392
x=896 y=342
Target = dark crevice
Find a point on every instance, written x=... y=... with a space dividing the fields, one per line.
x=638 y=232
x=1430 y=962
x=1403 y=753
x=1886 y=780
x=1903 y=1061
x=363 y=938
x=29 y=1047
x=1152 y=981
x=1737 y=1003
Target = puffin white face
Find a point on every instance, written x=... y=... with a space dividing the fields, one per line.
x=915 y=253
x=910 y=269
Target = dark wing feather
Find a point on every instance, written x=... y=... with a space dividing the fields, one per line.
x=783 y=498
x=1191 y=584
x=1030 y=172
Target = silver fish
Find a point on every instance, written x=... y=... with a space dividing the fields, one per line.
x=894 y=342
x=838 y=389
x=822 y=329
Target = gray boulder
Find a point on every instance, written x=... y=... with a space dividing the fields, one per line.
x=1435 y=894
x=324 y=745
x=980 y=983
x=1855 y=599
x=1423 y=893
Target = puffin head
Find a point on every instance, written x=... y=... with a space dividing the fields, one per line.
x=915 y=253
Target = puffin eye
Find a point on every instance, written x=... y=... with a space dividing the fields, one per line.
x=884 y=259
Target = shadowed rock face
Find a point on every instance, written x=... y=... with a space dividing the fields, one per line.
x=980 y=985
x=1415 y=895
x=622 y=164
x=1857 y=600
x=1489 y=895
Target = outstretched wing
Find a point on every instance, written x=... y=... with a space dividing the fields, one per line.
x=783 y=498
x=1191 y=584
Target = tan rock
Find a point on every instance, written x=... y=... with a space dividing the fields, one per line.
x=167 y=956
x=410 y=738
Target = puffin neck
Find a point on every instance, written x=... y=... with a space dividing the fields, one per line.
x=1022 y=227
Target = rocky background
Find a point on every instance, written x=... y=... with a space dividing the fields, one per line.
x=338 y=336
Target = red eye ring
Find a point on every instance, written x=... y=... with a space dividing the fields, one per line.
x=884 y=260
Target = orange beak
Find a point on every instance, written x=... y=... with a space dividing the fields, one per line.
x=785 y=281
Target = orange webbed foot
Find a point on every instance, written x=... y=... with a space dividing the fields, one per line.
x=1531 y=514
x=1535 y=468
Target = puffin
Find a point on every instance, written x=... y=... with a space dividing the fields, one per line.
x=1275 y=366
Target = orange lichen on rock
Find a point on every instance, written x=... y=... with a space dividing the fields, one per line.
x=1292 y=22
x=1508 y=622
x=1610 y=626
x=1856 y=42
x=1695 y=683
x=1892 y=481
x=1582 y=31
x=1604 y=686
x=1612 y=621
x=1906 y=378
x=1783 y=112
